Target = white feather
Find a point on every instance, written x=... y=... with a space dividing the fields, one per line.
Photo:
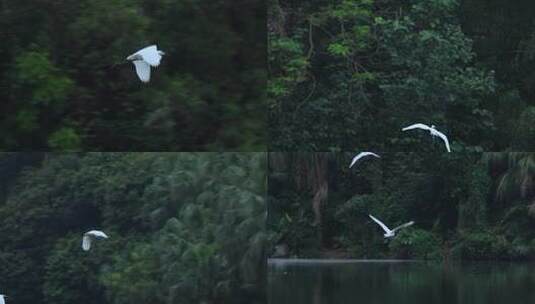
x=151 y=55
x=403 y=226
x=142 y=70
x=86 y=242
x=389 y=232
x=361 y=155
x=144 y=59
x=385 y=228
x=432 y=131
x=97 y=234
x=89 y=236
x=444 y=138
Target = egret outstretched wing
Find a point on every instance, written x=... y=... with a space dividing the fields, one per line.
x=403 y=226
x=380 y=223
x=86 y=243
x=444 y=138
x=147 y=50
x=151 y=55
x=97 y=233
x=417 y=126
x=361 y=155
x=142 y=70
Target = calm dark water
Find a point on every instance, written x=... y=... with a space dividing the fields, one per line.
x=384 y=282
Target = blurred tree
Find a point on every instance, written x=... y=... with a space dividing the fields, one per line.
x=63 y=87
x=351 y=72
x=183 y=227
x=465 y=205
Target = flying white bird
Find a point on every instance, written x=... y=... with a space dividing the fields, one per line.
x=144 y=59
x=361 y=155
x=390 y=233
x=2 y=299
x=431 y=130
x=88 y=236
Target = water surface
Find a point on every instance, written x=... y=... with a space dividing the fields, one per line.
x=399 y=282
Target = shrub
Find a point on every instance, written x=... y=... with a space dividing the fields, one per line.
x=415 y=244
x=482 y=246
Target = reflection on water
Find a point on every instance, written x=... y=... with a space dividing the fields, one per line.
x=384 y=282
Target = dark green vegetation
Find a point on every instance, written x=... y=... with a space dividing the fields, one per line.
x=60 y=87
x=348 y=74
x=469 y=206
x=184 y=227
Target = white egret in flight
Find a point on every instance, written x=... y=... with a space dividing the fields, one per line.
x=361 y=155
x=431 y=130
x=390 y=233
x=88 y=236
x=2 y=299
x=145 y=59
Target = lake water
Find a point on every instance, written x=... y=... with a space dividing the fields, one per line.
x=399 y=282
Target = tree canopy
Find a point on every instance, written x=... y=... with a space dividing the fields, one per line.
x=67 y=86
x=183 y=227
x=346 y=74
x=466 y=206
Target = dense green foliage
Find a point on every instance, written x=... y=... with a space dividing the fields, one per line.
x=63 y=86
x=469 y=206
x=345 y=74
x=184 y=227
